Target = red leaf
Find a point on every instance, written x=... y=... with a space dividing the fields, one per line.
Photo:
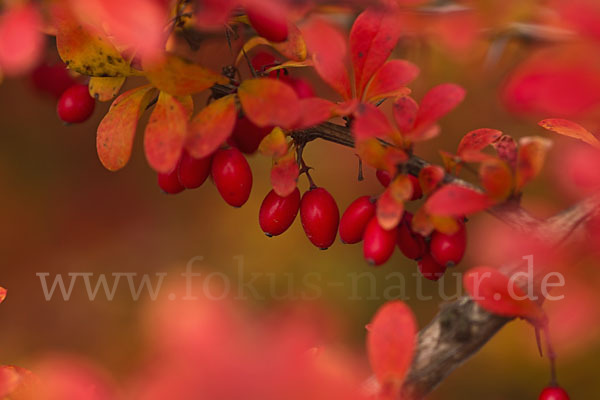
x=211 y=127
x=114 y=139
x=456 y=200
x=284 y=174
x=390 y=205
x=436 y=103
x=531 y=158
x=477 y=140
x=165 y=134
x=570 y=129
x=21 y=40
x=506 y=147
x=2 y=294
x=405 y=113
x=313 y=111
x=328 y=48
x=370 y=122
x=390 y=80
x=391 y=342
x=372 y=39
x=213 y=14
x=269 y=102
x=430 y=177
x=495 y=292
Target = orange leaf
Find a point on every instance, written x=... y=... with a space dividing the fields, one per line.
x=105 y=89
x=275 y=144
x=392 y=157
x=2 y=294
x=114 y=139
x=422 y=223
x=437 y=102
x=371 y=152
x=211 y=127
x=391 y=342
x=495 y=292
x=570 y=129
x=497 y=179
x=313 y=111
x=269 y=102
x=477 y=140
x=446 y=225
x=390 y=80
x=373 y=37
x=530 y=159
x=165 y=134
x=328 y=48
x=370 y=122
x=180 y=77
x=284 y=174
x=294 y=47
x=86 y=52
x=430 y=177
x=21 y=39
x=390 y=205
x=451 y=161
x=456 y=200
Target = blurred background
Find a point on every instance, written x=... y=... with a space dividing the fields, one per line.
x=62 y=212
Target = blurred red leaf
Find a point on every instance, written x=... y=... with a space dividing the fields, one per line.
x=284 y=174
x=370 y=122
x=570 y=129
x=456 y=200
x=269 y=102
x=422 y=223
x=576 y=167
x=135 y=24
x=114 y=139
x=165 y=134
x=390 y=205
x=405 y=112
x=497 y=179
x=328 y=48
x=430 y=177
x=213 y=14
x=373 y=37
x=477 y=140
x=436 y=103
x=391 y=341
x=495 y=292
x=530 y=159
x=390 y=80
x=180 y=77
x=507 y=150
x=2 y=294
x=313 y=111
x=21 y=40
x=211 y=127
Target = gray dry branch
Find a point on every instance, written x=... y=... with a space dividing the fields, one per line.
x=461 y=328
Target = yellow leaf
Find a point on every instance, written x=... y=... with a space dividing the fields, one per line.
x=105 y=89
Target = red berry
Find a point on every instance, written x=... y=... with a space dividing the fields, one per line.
x=449 y=249
x=169 y=183
x=232 y=176
x=411 y=244
x=378 y=243
x=269 y=23
x=75 y=105
x=430 y=268
x=320 y=217
x=554 y=393
x=52 y=79
x=302 y=87
x=192 y=171
x=383 y=177
x=417 y=191
x=278 y=213
x=355 y=219
x=246 y=136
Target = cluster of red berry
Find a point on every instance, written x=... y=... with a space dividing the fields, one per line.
x=75 y=105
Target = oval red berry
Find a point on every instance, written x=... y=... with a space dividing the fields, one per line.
x=278 y=213
x=554 y=393
x=448 y=249
x=378 y=243
x=75 y=104
x=169 y=183
x=320 y=217
x=232 y=176
x=430 y=268
x=355 y=219
x=193 y=171
x=268 y=23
